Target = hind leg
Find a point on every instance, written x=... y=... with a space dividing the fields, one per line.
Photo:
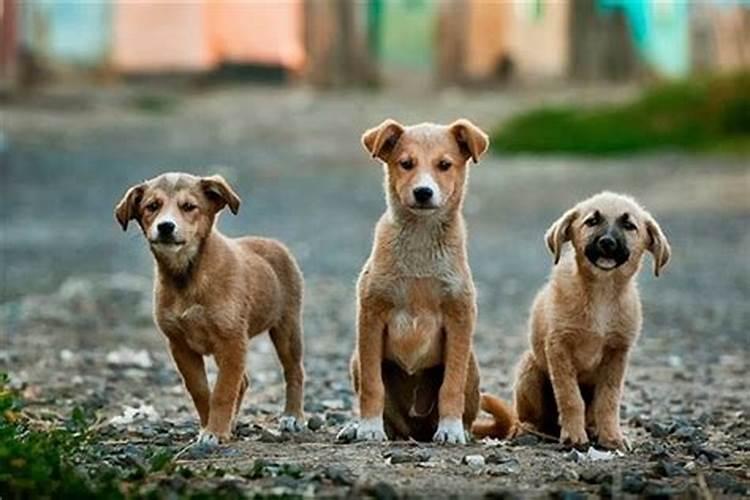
x=471 y=398
x=529 y=398
x=287 y=339
x=238 y=405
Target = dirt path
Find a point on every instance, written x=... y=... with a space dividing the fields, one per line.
x=76 y=290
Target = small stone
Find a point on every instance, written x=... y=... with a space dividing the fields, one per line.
x=339 y=475
x=669 y=469
x=383 y=491
x=404 y=457
x=525 y=440
x=315 y=423
x=633 y=482
x=659 y=430
x=336 y=418
x=474 y=461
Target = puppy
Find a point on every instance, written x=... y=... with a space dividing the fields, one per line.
x=413 y=368
x=213 y=293
x=583 y=324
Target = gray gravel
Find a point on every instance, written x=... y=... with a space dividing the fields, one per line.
x=76 y=290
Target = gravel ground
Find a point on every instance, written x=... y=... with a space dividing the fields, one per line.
x=75 y=313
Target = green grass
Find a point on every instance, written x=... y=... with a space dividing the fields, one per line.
x=697 y=115
x=62 y=460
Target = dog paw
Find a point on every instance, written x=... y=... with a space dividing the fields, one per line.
x=575 y=438
x=450 y=431
x=613 y=441
x=371 y=429
x=290 y=423
x=207 y=439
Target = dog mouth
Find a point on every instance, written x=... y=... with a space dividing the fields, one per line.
x=423 y=209
x=607 y=261
x=606 y=264
x=167 y=243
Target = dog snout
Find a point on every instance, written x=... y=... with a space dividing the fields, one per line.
x=422 y=194
x=166 y=228
x=607 y=244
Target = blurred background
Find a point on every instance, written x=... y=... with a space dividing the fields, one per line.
x=646 y=97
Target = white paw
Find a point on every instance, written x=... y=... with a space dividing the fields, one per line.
x=450 y=430
x=207 y=439
x=371 y=429
x=290 y=423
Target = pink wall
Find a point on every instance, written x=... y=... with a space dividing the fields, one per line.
x=196 y=35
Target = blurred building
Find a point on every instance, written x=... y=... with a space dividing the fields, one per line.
x=335 y=42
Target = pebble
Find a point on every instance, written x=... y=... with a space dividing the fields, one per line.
x=669 y=469
x=315 y=423
x=339 y=475
x=525 y=440
x=404 y=457
x=633 y=482
x=383 y=491
x=474 y=461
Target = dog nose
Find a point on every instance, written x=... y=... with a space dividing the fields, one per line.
x=606 y=244
x=422 y=194
x=165 y=228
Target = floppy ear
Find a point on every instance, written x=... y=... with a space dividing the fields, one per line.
x=127 y=208
x=559 y=232
x=658 y=244
x=381 y=140
x=218 y=191
x=471 y=140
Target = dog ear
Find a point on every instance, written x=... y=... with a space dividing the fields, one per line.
x=127 y=208
x=559 y=232
x=472 y=141
x=218 y=191
x=657 y=245
x=381 y=140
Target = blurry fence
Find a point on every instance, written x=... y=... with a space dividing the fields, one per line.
x=333 y=42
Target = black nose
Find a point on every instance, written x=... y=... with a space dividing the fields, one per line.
x=422 y=194
x=165 y=228
x=606 y=244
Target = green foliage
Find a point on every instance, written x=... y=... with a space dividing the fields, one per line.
x=32 y=462
x=693 y=115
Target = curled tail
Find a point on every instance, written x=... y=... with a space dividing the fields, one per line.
x=503 y=422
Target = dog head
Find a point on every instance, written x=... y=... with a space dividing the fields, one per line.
x=426 y=164
x=176 y=212
x=610 y=232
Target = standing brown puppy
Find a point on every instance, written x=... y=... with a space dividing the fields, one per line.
x=584 y=323
x=213 y=293
x=414 y=368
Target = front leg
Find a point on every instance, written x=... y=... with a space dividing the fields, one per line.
x=193 y=372
x=371 y=326
x=230 y=360
x=460 y=317
x=607 y=394
x=568 y=397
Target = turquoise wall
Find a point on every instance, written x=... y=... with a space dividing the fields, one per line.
x=660 y=30
x=68 y=31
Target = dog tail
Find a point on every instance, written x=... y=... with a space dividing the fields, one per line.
x=503 y=421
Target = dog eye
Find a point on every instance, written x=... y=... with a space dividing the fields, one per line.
x=444 y=165
x=406 y=164
x=189 y=207
x=153 y=206
x=592 y=221
x=628 y=226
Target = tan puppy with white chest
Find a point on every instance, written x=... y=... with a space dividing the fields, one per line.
x=414 y=368
x=584 y=323
x=213 y=293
